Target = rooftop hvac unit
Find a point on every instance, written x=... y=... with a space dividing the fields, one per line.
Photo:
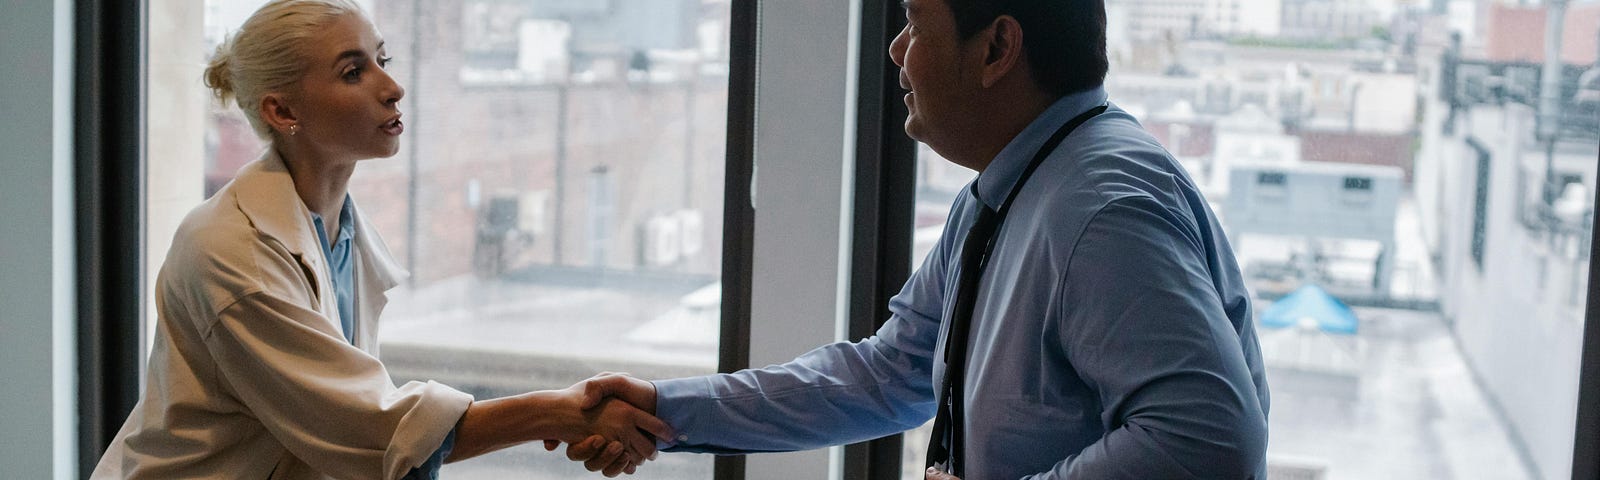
x=663 y=240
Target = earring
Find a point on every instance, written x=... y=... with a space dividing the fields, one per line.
x=293 y=129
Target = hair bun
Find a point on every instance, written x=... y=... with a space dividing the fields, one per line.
x=219 y=74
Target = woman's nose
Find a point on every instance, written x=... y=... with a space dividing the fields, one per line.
x=393 y=92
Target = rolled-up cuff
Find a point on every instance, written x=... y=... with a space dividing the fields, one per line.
x=423 y=429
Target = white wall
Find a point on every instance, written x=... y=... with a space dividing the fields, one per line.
x=36 y=245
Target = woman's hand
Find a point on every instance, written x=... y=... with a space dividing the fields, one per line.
x=626 y=435
x=617 y=424
x=598 y=455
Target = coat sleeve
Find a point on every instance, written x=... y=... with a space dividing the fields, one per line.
x=1149 y=335
x=329 y=403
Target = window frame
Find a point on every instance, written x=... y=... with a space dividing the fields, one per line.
x=109 y=82
x=109 y=192
x=738 y=215
x=109 y=154
x=1586 y=437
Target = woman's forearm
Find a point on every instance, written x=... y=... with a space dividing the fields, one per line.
x=499 y=423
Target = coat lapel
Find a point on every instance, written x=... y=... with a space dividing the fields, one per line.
x=265 y=194
x=376 y=273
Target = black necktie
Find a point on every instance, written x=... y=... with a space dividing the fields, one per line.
x=948 y=438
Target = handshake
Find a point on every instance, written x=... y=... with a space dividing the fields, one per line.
x=617 y=429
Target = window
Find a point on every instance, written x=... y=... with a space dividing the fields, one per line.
x=1357 y=183
x=1363 y=198
x=557 y=197
x=1480 y=201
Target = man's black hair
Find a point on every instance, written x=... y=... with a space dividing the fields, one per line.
x=1065 y=39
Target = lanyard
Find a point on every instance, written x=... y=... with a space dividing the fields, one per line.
x=946 y=444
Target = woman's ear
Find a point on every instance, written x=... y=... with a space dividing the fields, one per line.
x=277 y=114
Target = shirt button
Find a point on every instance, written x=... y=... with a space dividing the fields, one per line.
x=683 y=438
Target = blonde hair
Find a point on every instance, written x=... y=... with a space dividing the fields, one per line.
x=267 y=53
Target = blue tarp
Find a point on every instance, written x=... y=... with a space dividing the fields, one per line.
x=1311 y=304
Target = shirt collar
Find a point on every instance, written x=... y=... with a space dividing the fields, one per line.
x=265 y=194
x=346 y=222
x=994 y=184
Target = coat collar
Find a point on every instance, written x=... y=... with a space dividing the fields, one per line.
x=265 y=194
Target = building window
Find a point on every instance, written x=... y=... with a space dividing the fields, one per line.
x=1480 y=201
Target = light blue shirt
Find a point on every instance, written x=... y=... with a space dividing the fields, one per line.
x=341 y=270
x=337 y=254
x=1112 y=335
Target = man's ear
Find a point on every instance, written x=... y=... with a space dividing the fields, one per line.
x=277 y=114
x=1003 y=53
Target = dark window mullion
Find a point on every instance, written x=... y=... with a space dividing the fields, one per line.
x=109 y=131
x=738 y=231
x=884 y=208
x=1586 y=445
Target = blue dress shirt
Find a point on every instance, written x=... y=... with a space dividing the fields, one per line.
x=341 y=269
x=337 y=254
x=1112 y=335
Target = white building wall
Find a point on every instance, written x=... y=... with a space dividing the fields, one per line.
x=1155 y=19
x=1257 y=18
x=1524 y=346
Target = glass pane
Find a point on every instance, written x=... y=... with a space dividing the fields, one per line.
x=1394 y=156
x=557 y=197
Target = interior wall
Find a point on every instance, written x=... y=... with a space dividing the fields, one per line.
x=37 y=405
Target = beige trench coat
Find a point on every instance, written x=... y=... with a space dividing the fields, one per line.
x=250 y=376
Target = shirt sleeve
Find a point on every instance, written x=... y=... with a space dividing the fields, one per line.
x=839 y=393
x=329 y=403
x=429 y=470
x=1147 y=332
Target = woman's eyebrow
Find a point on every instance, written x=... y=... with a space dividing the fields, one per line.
x=352 y=53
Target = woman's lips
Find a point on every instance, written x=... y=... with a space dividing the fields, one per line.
x=394 y=128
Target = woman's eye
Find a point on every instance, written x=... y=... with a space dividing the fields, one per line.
x=384 y=61
x=353 y=75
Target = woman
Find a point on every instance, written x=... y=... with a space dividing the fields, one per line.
x=265 y=360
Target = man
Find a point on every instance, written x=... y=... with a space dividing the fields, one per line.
x=1100 y=325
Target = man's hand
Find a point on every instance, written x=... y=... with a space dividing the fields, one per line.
x=624 y=387
x=596 y=454
x=619 y=392
x=935 y=474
